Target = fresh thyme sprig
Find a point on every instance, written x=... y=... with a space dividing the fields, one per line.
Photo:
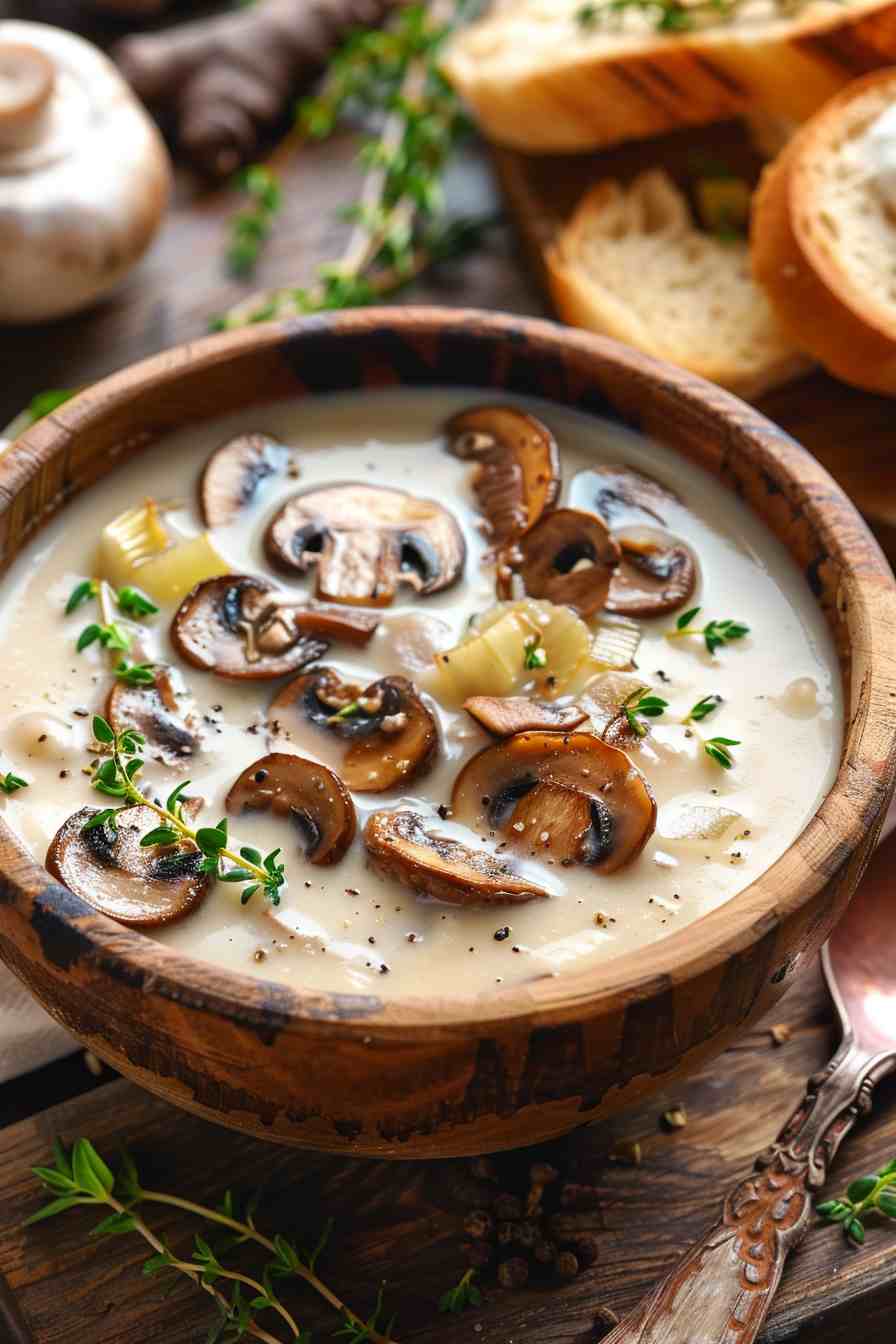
x=865 y=1196
x=534 y=653
x=357 y=1331
x=135 y=674
x=346 y=712
x=132 y=601
x=387 y=75
x=464 y=1294
x=80 y=1176
x=250 y=228
x=11 y=783
x=702 y=709
x=642 y=701
x=116 y=777
x=714 y=633
x=716 y=749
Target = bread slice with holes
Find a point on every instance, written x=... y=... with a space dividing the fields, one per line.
x=538 y=78
x=824 y=239
x=632 y=264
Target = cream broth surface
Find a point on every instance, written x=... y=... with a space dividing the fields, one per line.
x=345 y=928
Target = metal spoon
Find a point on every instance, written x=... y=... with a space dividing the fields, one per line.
x=720 y=1292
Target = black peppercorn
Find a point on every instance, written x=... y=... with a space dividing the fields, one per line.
x=513 y=1273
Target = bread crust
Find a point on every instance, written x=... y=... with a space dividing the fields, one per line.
x=595 y=96
x=813 y=297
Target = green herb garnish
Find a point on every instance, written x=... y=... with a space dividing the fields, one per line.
x=714 y=633
x=110 y=635
x=716 y=749
x=10 y=783
x=136 y=674
x=80 y=1176
x=356 y=1332
x=116 y=775
x=703 y=708
x=389 y=76
x=534 y=654
x=108 y=632
x=135 y=602
x=346 y=712
x=642 y=702
x=251 y=228
x=81 y=593
x=866 y=1196
x=464 y=1294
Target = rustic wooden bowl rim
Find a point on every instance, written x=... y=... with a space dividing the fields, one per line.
x=678 y=957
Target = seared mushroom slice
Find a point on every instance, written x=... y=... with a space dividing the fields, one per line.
x=517 y=473
x=622 y=495
x=233 y=473
x=502 y=716
x=573 y=774
x=364 y=540
x=402 y=848
x=568 y=557
x=143 y=888
x=162 y=711
x=246 y=628
x=305 y=792
x=656 y=574
x=393 y=736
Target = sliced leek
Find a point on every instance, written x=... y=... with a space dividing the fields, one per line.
x=136 y=548
x=491 y=659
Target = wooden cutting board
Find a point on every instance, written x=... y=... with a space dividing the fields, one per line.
x=853 y=433
x=402 y=1221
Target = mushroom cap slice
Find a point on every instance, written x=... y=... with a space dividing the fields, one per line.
x=394 y=736
x=657 y=573
x=493 y=785
x=233 y=473
x=400 y=847
x=517 y=473
x=623 y=495
x=365 y=540
x=305 y=792
x=568 y=557
x=247 y=628
x=161 y=711
x=505 y=715
x=143 y=888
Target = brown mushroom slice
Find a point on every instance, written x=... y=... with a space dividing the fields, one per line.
x=568 y=557
x=517 y=474
x=143 y=888
x=233 y=473
x=246 y=628
x=554 y=819
x=400 y=847
x=491 y=786
x=505 y=715
x=304 y=792
x=657 y=573
x=393 y=736
x=365 y=540
x=622 y=495
x=162 y=711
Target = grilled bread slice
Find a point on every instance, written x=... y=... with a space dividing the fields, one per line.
x=559 y=75
x=632 y=264
x=824 y=239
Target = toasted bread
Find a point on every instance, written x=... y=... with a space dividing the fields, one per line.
x=633 y=264
x=824 y=240
x=537 y=78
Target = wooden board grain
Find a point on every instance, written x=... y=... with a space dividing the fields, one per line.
x=402 y=1221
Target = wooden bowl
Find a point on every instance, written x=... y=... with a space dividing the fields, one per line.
x=429 y=1077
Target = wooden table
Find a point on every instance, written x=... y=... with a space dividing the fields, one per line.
x=400 y=1221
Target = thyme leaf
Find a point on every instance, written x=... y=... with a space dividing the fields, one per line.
x=714 y=633
x=534 y=654
x=464 y=1294
x=864 y=1197
x=645 y=703
x=11 y=783
x=716 y=749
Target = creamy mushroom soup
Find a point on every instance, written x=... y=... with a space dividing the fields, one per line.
x=510 y=690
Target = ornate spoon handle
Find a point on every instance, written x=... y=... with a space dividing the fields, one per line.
x=720 y=1292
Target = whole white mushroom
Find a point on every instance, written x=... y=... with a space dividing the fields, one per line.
x=84 y=175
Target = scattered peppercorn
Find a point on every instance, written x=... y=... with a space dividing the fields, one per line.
x=501 y=934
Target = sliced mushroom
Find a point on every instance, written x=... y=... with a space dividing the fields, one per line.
x=517 y=473
x=622 y=495
x=233 y=473
x=163 y=713
x=393 y=736
x=657 y=573
x=306 y=793
x=402 y=848
x=568 y=557
x=143 y=888
x=570 y=773
x=364 y=540
x=504 y=716
x=246 y=628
